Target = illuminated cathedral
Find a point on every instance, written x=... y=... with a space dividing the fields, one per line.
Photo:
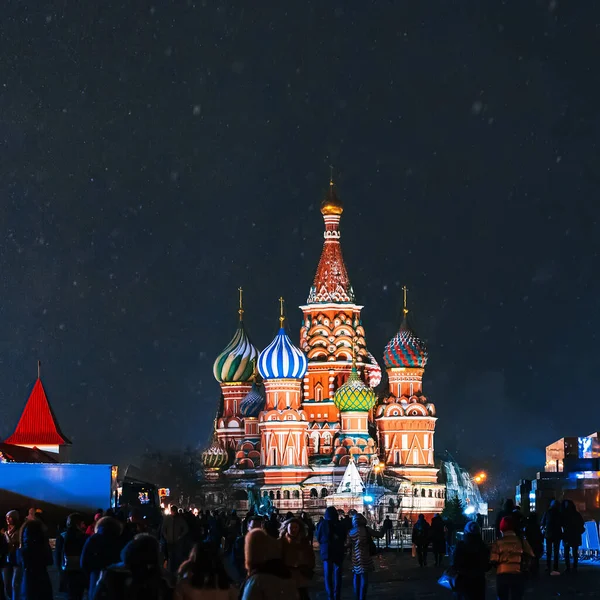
x=294 y=419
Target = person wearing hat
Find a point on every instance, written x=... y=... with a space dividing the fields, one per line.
x=471 y=560
x=268 y=577
x=510 y=554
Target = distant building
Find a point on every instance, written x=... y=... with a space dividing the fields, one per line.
x=571 y=471
x=38 y=428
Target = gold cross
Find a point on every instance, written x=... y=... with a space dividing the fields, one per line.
x=241 y=308
x=281 y=315
x=330 y=174
x=405 y=290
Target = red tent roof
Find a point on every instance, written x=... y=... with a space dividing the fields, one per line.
x=38 y=425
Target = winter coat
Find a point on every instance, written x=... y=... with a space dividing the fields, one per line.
x=118 y=583
x=359 y=538
x=552 y=523
x=331 y=535
x=174 y=528
x=12 y=543
x=471 y=559
x=534 y=536
x=573 y=527
x=507 y=553
x=101 y=550
x=299 y=558
x=507 y=511
x=69 y=547
x=437 y=533
x=185 y=591
x=271 y=581
x=34 y=557
x=420 y=534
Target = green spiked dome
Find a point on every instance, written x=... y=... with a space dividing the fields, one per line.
x=354 y=395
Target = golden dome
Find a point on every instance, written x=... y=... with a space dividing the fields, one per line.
x=331 y=204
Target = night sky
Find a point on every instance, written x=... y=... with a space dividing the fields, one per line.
x=155 y=158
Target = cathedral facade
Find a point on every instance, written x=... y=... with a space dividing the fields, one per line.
x=293 y=417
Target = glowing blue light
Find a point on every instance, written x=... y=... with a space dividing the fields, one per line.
x=368 y=498
x=469 y=510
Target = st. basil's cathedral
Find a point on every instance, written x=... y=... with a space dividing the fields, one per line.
x=295 y=422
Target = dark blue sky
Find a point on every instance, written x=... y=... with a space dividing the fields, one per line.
x=154 y=158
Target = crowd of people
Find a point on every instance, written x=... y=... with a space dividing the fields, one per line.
x=517 y=551
x=215 y=555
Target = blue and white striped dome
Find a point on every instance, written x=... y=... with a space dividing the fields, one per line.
x=281 y=359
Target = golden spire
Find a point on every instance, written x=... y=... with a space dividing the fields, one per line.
x=241 y=308
x=281 y=314
x=405 y=309
x=39 y=369
x=331 y=204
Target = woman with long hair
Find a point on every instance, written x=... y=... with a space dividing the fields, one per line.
x=203 y=577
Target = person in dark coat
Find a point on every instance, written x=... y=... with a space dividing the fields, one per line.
x=552 y=526
x=507 y=511
x=388 y=528
x=534 y=536
x=138 y=576
x=35 y=556
x=573 y=528
x=69 y=547
x=438 y=539
x=331 y=535
x=101 y=550
x=471 y=560
x=420 y=538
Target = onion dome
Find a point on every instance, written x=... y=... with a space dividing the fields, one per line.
x=331 y=204
x=354 y=395
x=215 y=456
x=281 y=359
x=374 y=371
x=253 y=402
x=405 y=349
x=235 y=363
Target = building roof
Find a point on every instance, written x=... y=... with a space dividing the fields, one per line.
x=18 y=454
x=38 y=425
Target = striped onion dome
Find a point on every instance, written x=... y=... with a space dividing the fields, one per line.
x=236 y=362
x=405 y=349
x=281 y=359
x=215 y=456
x=253 y=402
x=354 y=394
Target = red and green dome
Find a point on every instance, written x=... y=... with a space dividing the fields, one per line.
x=405 y=349
x=354 y=395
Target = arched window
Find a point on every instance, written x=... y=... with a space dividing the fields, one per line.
x=391 y=503
x=278 y=495
x=272 y=495
x=431 y=493
x=318 y=392
x=286 y=494
x=324 y=493
x=423 y=493
x=416 y=493
x=314 y=493
x=296 y=495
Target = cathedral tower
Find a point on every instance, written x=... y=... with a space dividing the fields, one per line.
x=331 y=322
x=234 y=370
x=406 y=419
x=282 y=424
